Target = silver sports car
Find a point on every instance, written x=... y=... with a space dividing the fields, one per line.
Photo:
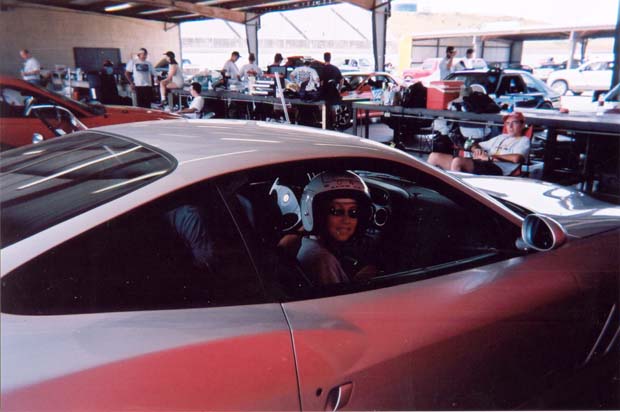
x=155 y=266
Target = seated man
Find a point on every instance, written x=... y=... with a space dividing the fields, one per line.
x=501 y=155
x=197 y=104
x=335 y=208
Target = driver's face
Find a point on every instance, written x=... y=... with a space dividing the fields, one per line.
x=342 y=219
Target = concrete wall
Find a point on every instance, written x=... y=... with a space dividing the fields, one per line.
x=52 y=33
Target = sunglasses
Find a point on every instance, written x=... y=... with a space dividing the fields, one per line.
x=352 y=213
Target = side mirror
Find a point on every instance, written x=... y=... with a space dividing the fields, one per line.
x=37 y=138
x=541 y=233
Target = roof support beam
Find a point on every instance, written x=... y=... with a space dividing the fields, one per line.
x=365 y=4
x=185 y=6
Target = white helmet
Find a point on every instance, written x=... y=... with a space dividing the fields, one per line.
x=331 y=185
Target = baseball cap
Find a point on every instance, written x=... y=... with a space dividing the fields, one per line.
x=236 y=53
x=516 y=116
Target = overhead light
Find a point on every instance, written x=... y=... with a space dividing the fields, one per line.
x=147 y=12
x=119 y=7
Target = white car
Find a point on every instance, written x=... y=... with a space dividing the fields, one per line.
x=151 y=267
x=594 y=75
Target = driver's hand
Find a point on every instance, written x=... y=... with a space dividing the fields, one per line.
x=365 y=273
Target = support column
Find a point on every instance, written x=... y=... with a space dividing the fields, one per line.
x=572 y=45
x=615 y=77
x=252 y=26
x=380 y=15
x=477 y=44
x=516 y=51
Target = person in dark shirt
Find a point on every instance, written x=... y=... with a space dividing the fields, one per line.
x=331 y=79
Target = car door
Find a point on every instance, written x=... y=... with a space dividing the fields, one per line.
x=458 y=319
x=159 y=309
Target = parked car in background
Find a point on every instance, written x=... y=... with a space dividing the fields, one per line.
x=355 y=64
x=360 y=85
x=594 y=75
x=511 y=87
x=21 y=125
x=429 y=70
x=475 y=304
x=544 y=70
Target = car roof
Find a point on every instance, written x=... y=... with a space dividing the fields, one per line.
x=244 y=143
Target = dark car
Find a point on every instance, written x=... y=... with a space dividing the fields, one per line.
x=511 y=87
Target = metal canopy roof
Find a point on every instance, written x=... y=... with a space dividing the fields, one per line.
x=172 y=11
x=530 y=33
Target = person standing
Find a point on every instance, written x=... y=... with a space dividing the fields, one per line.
x=446 y=66
x=277 y=61
x=467 y=62
x=230 y=69
x=140 y=74
x=32 y=69
x=174 y=80
x=250 y=69
x=307 y=74
x=331 y=79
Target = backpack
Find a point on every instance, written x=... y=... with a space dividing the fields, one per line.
x=414 y=96
x=480 y=103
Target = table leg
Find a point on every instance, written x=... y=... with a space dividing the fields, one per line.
x=552 y=138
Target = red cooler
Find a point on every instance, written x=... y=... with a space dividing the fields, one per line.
x=441 y=93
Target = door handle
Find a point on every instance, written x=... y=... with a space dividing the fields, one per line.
x=339 y=397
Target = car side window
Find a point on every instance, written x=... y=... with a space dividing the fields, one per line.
x=181 y=251
x=418 y=228
x=12 y=102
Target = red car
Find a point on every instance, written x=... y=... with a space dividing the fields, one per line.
x=360 y=85
x=29 y=113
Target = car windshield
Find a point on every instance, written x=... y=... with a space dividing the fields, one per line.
x=45 y=184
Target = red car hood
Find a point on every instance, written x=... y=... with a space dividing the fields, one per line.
x=127 y=114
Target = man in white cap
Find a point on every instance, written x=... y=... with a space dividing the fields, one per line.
x=32 y=69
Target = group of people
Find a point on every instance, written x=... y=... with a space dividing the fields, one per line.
x=140 y=74
x=449 y=65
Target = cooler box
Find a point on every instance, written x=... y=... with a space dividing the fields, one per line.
x=441 y=93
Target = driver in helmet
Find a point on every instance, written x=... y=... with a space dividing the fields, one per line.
x=335 y=207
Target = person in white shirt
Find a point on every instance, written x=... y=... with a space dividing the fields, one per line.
x=32 y=69
x=306 y=73
x=501 y=155
x=197 y=104
x=140 y=74
x=230 y=69
x=174 y=80
x=250 y=69
x=467 y=62
x=447 y=66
